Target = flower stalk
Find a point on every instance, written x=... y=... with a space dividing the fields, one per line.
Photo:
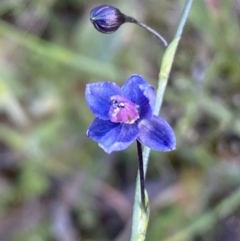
x=151 y=30
x=141 y=172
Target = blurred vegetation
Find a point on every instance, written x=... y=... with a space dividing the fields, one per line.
x=56 y=184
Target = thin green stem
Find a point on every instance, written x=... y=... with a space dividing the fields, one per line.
x=163 y=80
x=183 y=19
x=163 y=77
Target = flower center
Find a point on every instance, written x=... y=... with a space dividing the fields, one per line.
x=123 y=110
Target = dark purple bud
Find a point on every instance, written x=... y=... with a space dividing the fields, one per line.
x=106 y=18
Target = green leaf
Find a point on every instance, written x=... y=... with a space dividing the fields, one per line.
x=168 y=58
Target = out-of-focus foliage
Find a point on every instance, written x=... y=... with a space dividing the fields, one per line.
x=55 y=183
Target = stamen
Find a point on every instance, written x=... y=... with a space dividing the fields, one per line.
x=123 y=110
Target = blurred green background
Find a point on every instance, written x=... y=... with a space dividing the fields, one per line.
x=58 y=185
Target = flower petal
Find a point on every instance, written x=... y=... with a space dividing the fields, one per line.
x=112 y=136
x=141 y=93
x=98 y=97
x=157 y=134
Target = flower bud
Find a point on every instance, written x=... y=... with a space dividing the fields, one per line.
x=106 y=18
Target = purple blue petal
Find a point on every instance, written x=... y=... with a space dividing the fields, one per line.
x=156 y=134
x=98 y=97
x=141 y=93
x=112 y=136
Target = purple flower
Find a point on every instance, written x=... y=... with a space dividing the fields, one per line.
x=126 y=114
